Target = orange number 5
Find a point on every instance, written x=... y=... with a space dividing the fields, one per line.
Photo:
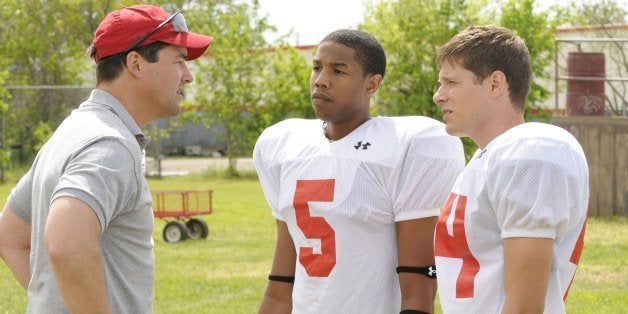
x=316 y=265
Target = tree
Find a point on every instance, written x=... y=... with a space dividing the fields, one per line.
x=4 y=106
x=411 y=34
x=537 y=30
x=238 y=85
x=601 y=12
x=286 y=86
x=43 y=43
x=228 y=83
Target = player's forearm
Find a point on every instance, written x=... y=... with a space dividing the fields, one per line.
x=278 y=295
x=81 y=280
x=15 y=245
x=277 y=300
x=18 y=261
x=417 y=293
x=415 y=250
x=271 y=307
x=527 y=264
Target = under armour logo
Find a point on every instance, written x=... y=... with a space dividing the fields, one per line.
x=364 y=146
x=432 y=271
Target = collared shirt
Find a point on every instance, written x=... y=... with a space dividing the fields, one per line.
x=102 y=98
x=94 y=156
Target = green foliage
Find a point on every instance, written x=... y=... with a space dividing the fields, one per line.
x=4 y=107
x=4 y=93
x=601 y=12
x=537 y=30
x=41 y=134
x=286 y=86
x=43 y=43
x=411 y=34
x=228 y=88
x=470 y=147
x=37 y=60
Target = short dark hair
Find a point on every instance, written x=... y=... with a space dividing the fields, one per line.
x=368 y=50
x=109 y=68
x=485 y=49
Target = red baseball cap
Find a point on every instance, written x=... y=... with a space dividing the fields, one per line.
x=121 y=30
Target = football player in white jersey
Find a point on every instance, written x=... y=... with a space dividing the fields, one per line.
x=511 y=233
x=356 y=197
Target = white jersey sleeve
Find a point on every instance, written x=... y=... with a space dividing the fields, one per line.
x=432 y=161
x=532 y=183
x=267 y=150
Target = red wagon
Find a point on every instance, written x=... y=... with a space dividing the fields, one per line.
x=183 y=206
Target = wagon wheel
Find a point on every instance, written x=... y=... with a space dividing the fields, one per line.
x=197 y=229
x=175 y=231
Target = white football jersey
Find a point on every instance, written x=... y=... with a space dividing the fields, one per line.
x=341 y=200
x=531 y=181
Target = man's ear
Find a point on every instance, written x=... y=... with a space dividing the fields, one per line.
x=498 y=83
x=133 y=62
x=372 y=84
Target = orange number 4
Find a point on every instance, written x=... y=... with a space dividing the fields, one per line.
x=456 y=245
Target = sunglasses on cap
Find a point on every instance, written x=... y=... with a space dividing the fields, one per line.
x=178 y=22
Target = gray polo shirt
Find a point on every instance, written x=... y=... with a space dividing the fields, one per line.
x=95 y=156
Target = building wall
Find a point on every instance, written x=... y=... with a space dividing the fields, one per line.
x=189 y=139
x=616 y=59
x=605 y=144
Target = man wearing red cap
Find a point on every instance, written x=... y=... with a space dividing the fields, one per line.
x=81 y=217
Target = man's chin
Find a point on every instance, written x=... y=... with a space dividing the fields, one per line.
x=175 y=110
x=453 y=131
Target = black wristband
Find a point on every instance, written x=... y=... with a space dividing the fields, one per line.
x=288 y=279
x=413 y=312
x=429 y=271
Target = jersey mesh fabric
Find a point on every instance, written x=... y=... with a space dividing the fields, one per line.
x=531 y=181
x=387 y=170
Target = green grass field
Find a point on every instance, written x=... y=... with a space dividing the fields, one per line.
x=226 y=273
